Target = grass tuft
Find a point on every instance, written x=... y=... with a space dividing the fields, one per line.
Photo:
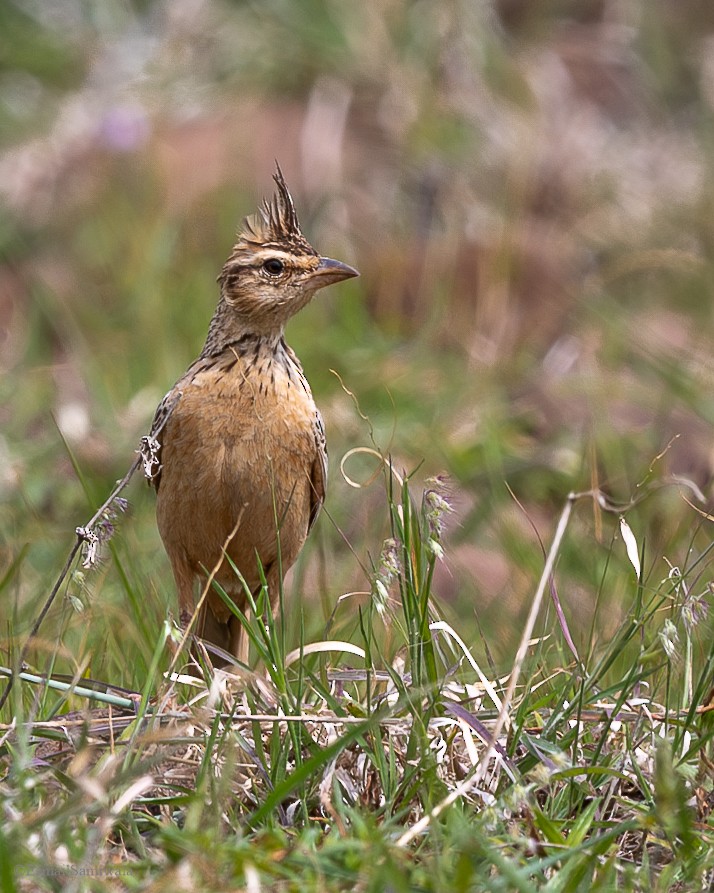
x=585 y=767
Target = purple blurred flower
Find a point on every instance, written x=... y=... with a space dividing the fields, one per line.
x=125 y=127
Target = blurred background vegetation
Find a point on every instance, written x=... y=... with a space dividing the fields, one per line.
x=527 y=191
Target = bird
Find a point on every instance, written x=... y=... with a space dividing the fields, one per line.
x=239 y=458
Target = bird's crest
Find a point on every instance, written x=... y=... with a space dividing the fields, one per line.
x=275 y=225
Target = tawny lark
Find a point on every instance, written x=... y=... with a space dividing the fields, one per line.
x=240 y=444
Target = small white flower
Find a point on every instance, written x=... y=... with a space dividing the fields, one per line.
x=149 y=448
x=380 y=595
x=91 y=546
x=434 y=547
x=670 y=638
x=387 y=571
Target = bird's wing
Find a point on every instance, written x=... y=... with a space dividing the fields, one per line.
x=318 y=472
x=151 y=445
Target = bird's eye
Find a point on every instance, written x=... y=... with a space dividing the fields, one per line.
x=273 y=266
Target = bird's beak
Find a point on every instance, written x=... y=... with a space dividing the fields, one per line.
x=329 y=271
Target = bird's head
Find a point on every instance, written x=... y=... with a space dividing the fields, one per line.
x=273 y=271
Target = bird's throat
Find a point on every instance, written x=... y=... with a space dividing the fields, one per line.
x=229 y=328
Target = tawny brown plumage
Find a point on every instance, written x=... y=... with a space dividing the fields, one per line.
x=240 y=443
